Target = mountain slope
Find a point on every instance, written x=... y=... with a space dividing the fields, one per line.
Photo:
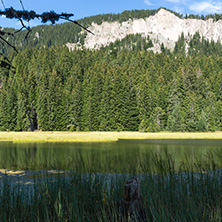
x=162 y=28
x=60 y=34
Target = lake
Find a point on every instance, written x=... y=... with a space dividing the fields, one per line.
x=124 y=156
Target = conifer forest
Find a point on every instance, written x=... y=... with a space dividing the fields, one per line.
x=120 y=87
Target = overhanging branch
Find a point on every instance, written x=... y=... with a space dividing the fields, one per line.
x=24 y=15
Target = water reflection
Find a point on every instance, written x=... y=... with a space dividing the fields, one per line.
x=123 y=156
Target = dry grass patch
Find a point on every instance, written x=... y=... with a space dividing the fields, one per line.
x=99 y=136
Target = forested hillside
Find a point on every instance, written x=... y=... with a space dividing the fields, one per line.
x=54 y=89
x=122 y=86
x=60 y=34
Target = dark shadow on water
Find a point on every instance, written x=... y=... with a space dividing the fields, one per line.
x=193 y=142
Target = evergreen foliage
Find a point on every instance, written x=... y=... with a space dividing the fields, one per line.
x=54 y=89
x=123 y=86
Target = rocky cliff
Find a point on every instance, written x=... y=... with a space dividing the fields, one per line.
x=164 y=27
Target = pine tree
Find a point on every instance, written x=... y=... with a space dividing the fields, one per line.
x=202 y=122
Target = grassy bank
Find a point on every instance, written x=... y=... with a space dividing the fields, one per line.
x=100 y=136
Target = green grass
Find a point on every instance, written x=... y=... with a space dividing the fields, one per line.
x=192 y=193
x=100 y=136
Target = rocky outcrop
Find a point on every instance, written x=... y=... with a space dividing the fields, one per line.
x=164 y=27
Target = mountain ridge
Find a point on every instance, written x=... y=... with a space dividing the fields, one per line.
x=162 y=28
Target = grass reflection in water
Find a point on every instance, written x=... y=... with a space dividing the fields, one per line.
x=125 y=156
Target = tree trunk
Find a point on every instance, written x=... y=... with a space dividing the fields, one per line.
x=131 y=206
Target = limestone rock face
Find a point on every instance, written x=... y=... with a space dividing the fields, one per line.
x=164 y=27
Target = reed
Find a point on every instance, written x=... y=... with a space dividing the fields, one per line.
x=191 y=192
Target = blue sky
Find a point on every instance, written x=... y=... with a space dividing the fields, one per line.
x=84 y=8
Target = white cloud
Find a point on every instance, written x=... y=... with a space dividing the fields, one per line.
x=147 y=2
x=175 y=1
x=179 y=2
x=178 y=10
x=207 y=7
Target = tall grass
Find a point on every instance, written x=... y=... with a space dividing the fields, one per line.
x=190 y=192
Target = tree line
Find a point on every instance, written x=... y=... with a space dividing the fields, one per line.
x=112 y=89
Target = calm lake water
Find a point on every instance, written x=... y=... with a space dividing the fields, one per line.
x=124 y=156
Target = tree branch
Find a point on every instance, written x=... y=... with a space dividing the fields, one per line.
x=24 y=15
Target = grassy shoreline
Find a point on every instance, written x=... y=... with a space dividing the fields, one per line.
x=178 y=197
x=22 y=137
